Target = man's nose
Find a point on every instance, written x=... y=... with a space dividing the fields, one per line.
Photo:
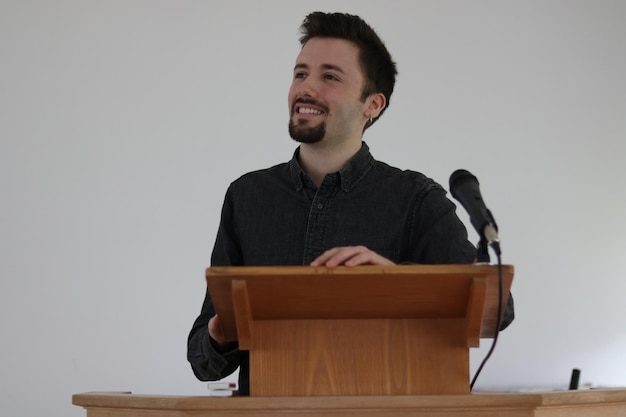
x=307 y=88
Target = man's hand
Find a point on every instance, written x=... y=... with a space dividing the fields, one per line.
x=350 y=256
x=215 y=330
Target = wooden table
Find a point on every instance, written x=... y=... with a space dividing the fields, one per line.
x=584 y=403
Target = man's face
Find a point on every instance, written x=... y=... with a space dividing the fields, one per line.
x=325 y=95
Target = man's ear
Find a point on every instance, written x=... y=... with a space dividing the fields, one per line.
x=376 y=104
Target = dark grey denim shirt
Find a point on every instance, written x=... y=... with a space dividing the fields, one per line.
x=277 y=216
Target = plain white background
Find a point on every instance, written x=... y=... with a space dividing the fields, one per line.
x=123 y=122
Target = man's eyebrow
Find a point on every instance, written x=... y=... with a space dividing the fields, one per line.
x=301 y=66
x=333 y=67
x=324 y=66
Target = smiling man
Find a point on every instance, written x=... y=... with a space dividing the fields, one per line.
x=332 y=203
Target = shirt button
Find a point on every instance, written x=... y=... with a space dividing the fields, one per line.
x=320 y=206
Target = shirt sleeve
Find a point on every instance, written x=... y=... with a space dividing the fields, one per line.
x=437 y=234
x=227 y=249
x=208 y=360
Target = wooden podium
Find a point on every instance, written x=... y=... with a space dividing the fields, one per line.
x=367 y=330
x=326 y=342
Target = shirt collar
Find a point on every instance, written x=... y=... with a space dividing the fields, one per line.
x=356 y=169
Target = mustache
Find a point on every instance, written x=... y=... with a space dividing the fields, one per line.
x=308 y=101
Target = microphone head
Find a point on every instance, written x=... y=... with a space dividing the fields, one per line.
x=459 y=176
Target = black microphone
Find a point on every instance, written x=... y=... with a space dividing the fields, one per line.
x=464 y=187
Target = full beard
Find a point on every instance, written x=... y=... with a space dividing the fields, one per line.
x=302 y=134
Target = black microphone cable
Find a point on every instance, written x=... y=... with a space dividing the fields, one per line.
x=498 y=321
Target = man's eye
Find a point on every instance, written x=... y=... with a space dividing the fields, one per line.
x=299 y=75
x=331 y=77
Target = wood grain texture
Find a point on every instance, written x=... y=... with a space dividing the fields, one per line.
x=596 y=403
x=475 y=311
x=243 y=315
x=398 y=291
x=359 y=357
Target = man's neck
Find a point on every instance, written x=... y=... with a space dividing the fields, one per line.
x=319 y=159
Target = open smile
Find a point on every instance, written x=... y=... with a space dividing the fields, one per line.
x=308 y=108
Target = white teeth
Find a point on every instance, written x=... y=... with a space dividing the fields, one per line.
x=308 y=110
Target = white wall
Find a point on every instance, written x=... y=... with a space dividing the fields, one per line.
x=122 y=123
